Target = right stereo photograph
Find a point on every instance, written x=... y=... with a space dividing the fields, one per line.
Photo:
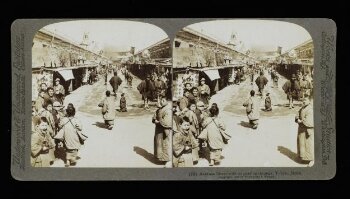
x=243 y=95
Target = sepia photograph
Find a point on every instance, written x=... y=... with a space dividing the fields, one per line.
x=243 y=95
x=101 y=95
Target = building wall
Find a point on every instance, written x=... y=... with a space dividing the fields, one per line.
x=48 y=51
x=193 y=50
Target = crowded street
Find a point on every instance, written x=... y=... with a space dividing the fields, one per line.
x=272 y=144
x=122 y=146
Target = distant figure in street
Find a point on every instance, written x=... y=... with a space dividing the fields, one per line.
x=129 y=79
x=305 y=87
x=268 y=106
x=305 y=142
x=204 y=91
x=251 y=76
x=115 y=82
x=163 y=132
x=275 y=79
x=261 y=82
x=292 y=89
x=252 y=109
x=183 y=144
x=123 y=103
x=92 y=77
x=238 y=76
x=108 y=110
x=160 y=87
x=41 y=145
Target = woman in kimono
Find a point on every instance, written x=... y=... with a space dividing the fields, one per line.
x=183 y=144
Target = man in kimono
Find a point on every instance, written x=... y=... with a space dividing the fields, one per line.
x=162 y=138
x=42 y=145
x=59 y=87
x=108 y=110
x=305 y=142
x=160 y=87
x=261 y=82
x=115 y=82
x=146 y=89
x=252 y=109
x=204 y=92
x=292 y=89
x=183 y=144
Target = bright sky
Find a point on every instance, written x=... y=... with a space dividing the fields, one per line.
x=111 y=33
x=265 y=35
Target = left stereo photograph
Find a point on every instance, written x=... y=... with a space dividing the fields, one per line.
x=101 y=95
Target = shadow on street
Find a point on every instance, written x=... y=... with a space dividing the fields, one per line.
x=290 y=154
x=148 y=156
x=100 y=125
x=245 y=124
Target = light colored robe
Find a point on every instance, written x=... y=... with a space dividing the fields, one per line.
x=305 y=141
x=40 y=158
x=252 y=108
x=162 y=136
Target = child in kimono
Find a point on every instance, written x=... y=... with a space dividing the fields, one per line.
x=183 y=144
x=42 y=145
x=123 y=103
x=268 y=102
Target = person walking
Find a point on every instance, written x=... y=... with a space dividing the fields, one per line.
x=261 y=82
x=108 y=110
x=115 y=82
x=71 y=136
x=292 y=89
x=214 y=134
x=252 y=109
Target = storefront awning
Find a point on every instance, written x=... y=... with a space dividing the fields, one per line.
x=66 y=74
x=212 y=74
